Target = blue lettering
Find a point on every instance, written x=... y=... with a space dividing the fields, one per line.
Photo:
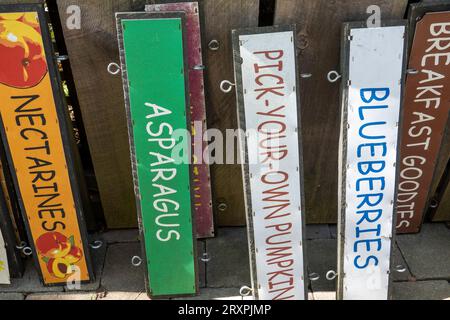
x=362 y=135
x=366 y=264
x=373 y=94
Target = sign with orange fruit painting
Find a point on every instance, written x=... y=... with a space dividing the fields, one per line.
x=37 y=138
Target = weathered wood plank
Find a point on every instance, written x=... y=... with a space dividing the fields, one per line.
x=220 y=17
x=441 y=177
x=318 y=31
x=91 y=48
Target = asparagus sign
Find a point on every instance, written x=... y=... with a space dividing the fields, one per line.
x=154 y=75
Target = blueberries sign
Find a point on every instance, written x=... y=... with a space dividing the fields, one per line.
x=373 y=66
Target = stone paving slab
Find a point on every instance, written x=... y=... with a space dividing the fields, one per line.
x=30 y=282
x=119 y=275
x=333 y=231
x=121 y=236
x=400 y=261
x=427 y=253
x=421 y=290
x=324 y=295
x=11 y=296
x=119 y=295
x=229 y=265
x=318 y=231
x=98 y=260
x=62 y=296
x=321 y=258
x=201 y=259
x=217 y=294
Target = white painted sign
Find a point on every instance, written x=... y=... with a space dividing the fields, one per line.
x=370 y=121
x=269 y=92
x=4 y=269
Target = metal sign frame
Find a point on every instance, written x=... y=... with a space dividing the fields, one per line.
x=125 y=77
x=201 y=173
x=68 y=145
x=412 y=211
x=238 y=61
x=346 y=82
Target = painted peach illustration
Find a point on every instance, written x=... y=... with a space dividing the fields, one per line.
x=29 y=18
x=53 y=245
x=74 y=255
x=59 y=267
x=22 y=56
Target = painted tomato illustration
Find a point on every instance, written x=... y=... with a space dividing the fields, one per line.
x=53 y=245
x=22 y=56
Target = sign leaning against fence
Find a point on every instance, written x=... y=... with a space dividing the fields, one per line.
x=4 y=269
x=12 y=262
x=373 y=67
x=268 y=104
x=201 y=186
x=38 y=142
x=425 y=117
x=155 y=80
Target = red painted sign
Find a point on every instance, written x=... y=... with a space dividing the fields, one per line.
x=426 y=110
x=201 y=183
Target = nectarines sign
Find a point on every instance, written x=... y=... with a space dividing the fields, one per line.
x=37 y=139
x=155 y=77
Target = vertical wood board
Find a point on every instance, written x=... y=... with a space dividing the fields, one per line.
x=91 y=48
x=318 y=43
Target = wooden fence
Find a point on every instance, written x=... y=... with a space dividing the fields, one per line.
x=101 y=104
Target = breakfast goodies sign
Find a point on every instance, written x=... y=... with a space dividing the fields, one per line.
x=372 y=85
x=425 y=117
x=154 y=74
x=36 y=137
x=267 y=88
x=201 y=184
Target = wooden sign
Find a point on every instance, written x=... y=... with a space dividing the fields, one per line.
x=373 y=68
x=268 y=102
x=201 y=183
x=4 y=269
x=157 y=105
x=425 y=117
x=10 y=257
x=38 y=142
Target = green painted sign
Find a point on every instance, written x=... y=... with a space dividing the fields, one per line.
x=154 y=73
